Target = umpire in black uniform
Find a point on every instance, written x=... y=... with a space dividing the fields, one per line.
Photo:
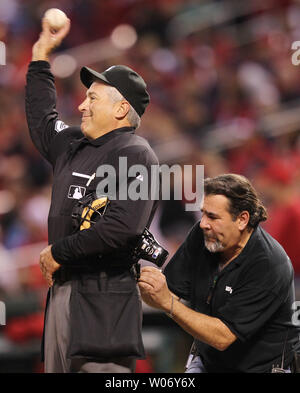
x=93 y=313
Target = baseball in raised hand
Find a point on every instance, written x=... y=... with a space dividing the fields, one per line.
x=56 y=18
x=55 y=27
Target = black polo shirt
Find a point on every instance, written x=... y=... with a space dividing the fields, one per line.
x=252 y=295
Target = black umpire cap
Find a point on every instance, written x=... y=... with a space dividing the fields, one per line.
x=129 y=83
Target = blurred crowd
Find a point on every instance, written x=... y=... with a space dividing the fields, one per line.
x=224 y=94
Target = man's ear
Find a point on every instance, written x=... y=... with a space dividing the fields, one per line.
x=122 y=109
x=243 y=220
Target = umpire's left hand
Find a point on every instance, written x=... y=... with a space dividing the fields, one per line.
x=48 y=265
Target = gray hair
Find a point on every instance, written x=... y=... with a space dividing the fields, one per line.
x=132 y=116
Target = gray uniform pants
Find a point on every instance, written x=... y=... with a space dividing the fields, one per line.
x=57 y=336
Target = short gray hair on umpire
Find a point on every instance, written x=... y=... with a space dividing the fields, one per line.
x=132 y=116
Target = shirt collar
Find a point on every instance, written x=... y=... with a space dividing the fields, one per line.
x=250 y=243
x=108 y=136
x=245 y=252
x=241 y=257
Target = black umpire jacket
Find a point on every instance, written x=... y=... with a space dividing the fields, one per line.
x=95 y=309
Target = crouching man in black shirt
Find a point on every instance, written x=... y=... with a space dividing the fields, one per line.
x=238 y=281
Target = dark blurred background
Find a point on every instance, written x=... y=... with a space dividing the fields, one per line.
x=225 y=94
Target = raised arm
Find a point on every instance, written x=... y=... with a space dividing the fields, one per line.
x=42 y=117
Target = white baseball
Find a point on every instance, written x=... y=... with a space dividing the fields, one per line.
x=56 y=18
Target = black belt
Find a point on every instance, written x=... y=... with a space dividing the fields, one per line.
x=67 y=273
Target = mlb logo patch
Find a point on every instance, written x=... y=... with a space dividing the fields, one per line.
x=76 y=192
x=60 y=125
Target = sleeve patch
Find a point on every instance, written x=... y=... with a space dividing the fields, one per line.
x=60 y=125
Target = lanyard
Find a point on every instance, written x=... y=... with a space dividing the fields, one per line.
x=211 y=289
